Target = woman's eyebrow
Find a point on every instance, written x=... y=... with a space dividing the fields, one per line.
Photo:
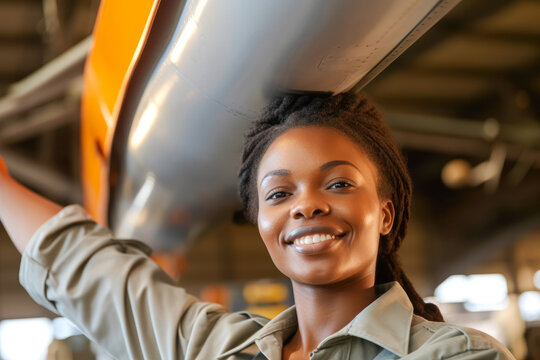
x=325 y=166
x=334 y=163
x=279 y=172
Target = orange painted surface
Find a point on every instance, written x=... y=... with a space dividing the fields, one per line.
x=119 y=35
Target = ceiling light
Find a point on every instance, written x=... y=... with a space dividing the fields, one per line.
x=486 y=292
x=529 y=305
x=536 y=279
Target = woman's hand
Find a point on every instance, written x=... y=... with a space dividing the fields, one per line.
x=21 y=210
x=3 y=167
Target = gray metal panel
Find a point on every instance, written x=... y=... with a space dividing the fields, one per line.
x=225 y=62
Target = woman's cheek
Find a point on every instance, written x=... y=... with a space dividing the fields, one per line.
x=266 y=224
x=369 y=219
x=263 y=228
x=366 y=211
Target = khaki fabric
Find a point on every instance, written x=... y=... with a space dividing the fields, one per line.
x=125 y=303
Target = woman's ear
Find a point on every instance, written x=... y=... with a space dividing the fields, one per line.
x=387 y=216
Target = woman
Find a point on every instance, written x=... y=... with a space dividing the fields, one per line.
x=329 y=191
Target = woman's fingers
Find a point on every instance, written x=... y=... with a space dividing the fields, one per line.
x=3 y=167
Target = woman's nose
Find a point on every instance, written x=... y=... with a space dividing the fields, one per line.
x=308 y=206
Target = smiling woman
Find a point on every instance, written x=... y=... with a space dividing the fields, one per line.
x=343 y=129
x=321 y=196
x=327 y=168
x=330 y=193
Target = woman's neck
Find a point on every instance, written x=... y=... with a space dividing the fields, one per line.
x=324 y=310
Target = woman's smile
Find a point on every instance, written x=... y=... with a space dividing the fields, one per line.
x=320 y=215
x=314 y=239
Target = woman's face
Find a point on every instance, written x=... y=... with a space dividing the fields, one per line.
x=320 y=215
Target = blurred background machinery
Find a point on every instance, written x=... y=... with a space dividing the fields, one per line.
x=463 y=101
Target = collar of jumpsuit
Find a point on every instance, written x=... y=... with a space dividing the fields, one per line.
x=386 y=322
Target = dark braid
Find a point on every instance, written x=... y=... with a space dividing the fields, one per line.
x=356 y=117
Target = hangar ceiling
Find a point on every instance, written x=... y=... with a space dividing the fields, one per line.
x=468 y=89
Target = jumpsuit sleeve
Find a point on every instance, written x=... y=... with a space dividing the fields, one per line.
x=118 y=296
x=452 y=342
x=485 y=354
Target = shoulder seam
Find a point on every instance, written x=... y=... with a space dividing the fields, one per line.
x=428 y=329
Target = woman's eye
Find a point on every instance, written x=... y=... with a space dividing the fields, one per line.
x=277 y=195
x=340 y=185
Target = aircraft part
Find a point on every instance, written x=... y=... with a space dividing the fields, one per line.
x=223 y=64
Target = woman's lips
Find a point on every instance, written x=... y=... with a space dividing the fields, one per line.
x=310 y=241
x=317 y=247
x=307 y=235
x=313 y=239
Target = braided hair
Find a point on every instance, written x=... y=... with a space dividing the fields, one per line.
x=356 y=117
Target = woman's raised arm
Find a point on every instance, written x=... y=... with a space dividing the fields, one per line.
x=110 y=289
x=21 y=210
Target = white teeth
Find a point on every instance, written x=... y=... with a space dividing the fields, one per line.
x=313 y=239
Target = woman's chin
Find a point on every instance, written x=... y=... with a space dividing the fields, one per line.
x=329 y=277
x=317 y=278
